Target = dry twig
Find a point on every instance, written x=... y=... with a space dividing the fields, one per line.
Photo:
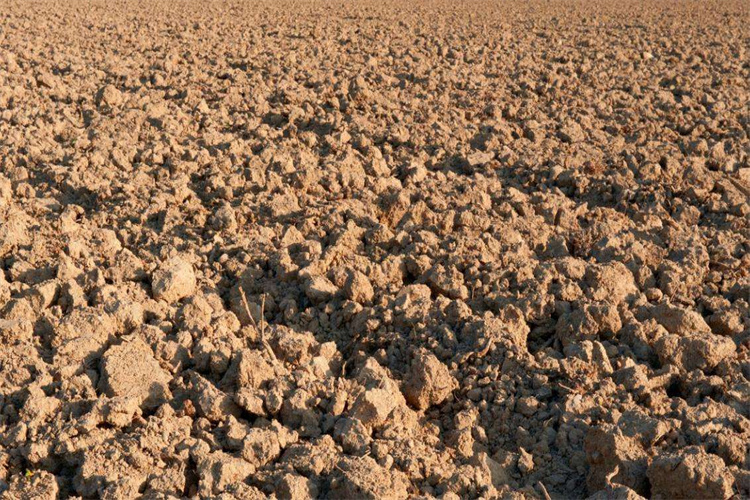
x=261 y=330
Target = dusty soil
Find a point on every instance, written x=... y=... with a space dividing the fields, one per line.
x=374 y=249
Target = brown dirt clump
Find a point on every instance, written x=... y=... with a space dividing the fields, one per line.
x=374 y=249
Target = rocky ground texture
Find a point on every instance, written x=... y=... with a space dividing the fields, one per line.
x=374 y=249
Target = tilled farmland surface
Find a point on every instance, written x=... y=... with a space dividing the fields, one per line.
x=374 y=249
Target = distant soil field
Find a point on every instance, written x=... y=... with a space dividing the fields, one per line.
x=374 y=249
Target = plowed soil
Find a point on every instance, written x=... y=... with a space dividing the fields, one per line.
x=374 y=249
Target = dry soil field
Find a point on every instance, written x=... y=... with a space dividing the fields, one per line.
x=374 y=249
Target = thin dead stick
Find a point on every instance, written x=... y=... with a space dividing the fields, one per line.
x=263 y=316
x=611 y=475
x=544 y=491
x=247 y=308
x=262 y=329
x=568 y=388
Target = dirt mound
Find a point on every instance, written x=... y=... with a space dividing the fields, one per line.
x=374 y=249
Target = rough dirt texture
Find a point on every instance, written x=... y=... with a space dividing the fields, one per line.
x=374 y=249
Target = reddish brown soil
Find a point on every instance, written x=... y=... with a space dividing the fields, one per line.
x=374 y=249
